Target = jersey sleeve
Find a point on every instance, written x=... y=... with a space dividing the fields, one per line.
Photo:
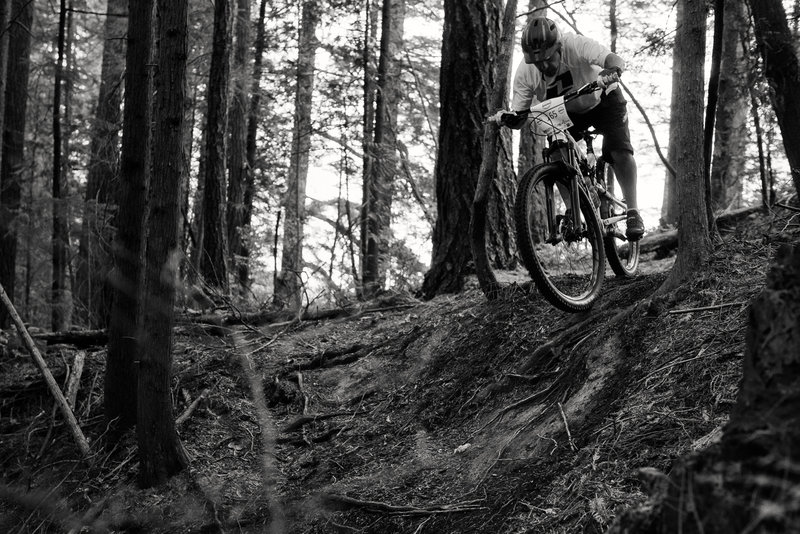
x=526 y=81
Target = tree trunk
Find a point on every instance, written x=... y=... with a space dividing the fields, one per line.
x=58 y=295
x=669 y=206
x=160 y=452
x=694 y=241
x=237 y=165
x=466 y=82
x=731 y=137
x=711 y=110
x=782 y=68
x=94 y=263
x=384 y=161
x=214 y=257
x=121 y=369
x=5 y=14
x=491 y=144
x=13 y=163
x=368 y=59
x=253 y=115
x=289 y=290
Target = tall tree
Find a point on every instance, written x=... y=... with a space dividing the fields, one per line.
x=161 y=454
x=289 y=289
x=465 y=86
x=731 y=132
x=121 y=370
x=5 y=14
x=369 y=88
x=94 y=262
x=694 y=241
x=213 y=260
x=59 y=316
x=376 y=204
x=669 y=206
x=13 y=157
x=238 y=169
x=253 y=114
x=782 y=68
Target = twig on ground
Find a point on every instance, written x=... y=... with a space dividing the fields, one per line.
x=302 y=392
x=707 y=308
x=787 y=207
x=192 y=407
x=566 y=426
x=343 y=502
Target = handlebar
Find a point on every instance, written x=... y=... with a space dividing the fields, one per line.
x=601 y=83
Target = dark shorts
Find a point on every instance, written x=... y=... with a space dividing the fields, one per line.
x=610 y=118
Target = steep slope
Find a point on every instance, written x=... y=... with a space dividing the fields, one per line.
x=455 y=415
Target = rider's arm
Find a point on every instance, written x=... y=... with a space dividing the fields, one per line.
x=526 y=80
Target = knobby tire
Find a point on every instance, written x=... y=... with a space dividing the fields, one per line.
x=568 y=274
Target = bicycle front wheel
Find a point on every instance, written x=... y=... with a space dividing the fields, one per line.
x=568 y=265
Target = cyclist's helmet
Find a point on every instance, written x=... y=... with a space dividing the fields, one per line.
x=540 y=39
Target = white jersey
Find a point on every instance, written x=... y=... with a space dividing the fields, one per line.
x=582 y=59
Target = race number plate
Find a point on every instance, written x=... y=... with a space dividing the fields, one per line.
x=550 y=116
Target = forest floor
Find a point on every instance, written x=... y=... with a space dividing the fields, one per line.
x=454 y=415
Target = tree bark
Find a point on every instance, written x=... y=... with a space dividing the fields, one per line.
x=5 y=14
x=694 y=241
x=289 y=289
x=238 y=169
x=13 y=163
x=669 y=206
x=369 y=61
x=383 y=155
x=243 y=273
x=214 y=257
x=730 y=139
x=121 y=370
x=466 y=82
x=491 y=144
x=58 y=293
x=94 y=257
x=782 y=68
x=161 y=454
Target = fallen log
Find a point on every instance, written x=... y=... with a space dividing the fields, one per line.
x=81 y=339
x=664 y=242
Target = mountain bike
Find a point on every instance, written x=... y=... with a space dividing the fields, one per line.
x=565 y=249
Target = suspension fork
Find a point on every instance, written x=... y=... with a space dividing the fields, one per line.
x=575 y=200
x=550 y=207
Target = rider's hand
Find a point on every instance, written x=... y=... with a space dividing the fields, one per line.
x=509 y=119
x=608 y=79
x=497 y=117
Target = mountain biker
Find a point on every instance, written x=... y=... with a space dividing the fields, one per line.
x=555 y=64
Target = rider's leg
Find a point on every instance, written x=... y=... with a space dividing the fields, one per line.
x=625 y=170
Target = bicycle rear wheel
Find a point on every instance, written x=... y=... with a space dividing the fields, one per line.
x=622 y=255
x=569 y=266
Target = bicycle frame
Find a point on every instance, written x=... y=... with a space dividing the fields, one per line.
x=563 y=143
